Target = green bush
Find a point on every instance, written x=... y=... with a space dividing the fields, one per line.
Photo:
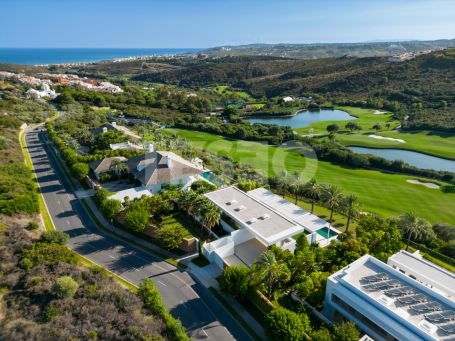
x=47 y=254
x=346 y=331
x=136 y=219
x=170 y=236
x=80 y=170
x=110 y=208
x=57 y=237
x=65 y=287
x=33 y=225
x=285 y=325
x=234 y=281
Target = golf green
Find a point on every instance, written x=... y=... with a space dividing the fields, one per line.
x=383 y=193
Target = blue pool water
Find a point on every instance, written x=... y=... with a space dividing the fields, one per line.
x=33 y=56
x=325 y=232
x=304 y=118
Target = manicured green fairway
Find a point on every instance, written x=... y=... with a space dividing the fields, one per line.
x=431 y=142
x=365 y=118
x=379 y=192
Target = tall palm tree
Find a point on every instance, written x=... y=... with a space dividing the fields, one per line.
x=282 y=183
x=350 y=207
x=211 y=217
x=296 y=186
x=312 y=191
x=332 y=197
x=118 y=167
x=269 y=271
x=412 y=226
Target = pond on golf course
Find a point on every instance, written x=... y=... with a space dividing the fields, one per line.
x=303 y=118
x=412 y=158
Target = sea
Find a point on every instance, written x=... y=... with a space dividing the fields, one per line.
x=38 y=56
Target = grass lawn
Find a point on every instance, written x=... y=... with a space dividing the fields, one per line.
x=224 y=89
x=365 y=118
x=180 y=221
x=386 y=194
x=430 y=142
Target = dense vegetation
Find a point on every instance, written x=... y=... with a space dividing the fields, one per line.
x=47 y=295
x=421 y=88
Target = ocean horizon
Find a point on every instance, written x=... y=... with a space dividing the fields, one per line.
x=37 y=56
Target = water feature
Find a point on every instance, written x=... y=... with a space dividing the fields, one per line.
x=412 y=158
x=303 y=118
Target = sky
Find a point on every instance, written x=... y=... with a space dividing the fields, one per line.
x=209 y=23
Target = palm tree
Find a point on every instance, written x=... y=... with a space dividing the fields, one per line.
x=296 y=186
x=268 y=271
x=332 y=197
x=118 y=167
x=211 y=217
x=412 y=226
x=312 y=191
x=351 y=208
x=282 y=183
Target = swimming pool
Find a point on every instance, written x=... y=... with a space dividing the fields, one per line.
x=325 y=232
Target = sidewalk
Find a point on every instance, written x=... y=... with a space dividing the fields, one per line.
x=207 y=276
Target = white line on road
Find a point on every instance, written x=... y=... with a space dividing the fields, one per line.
x=67 y=222
x=162 y=283
x=110 y=256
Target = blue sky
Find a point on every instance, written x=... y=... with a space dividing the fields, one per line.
x=205 y=23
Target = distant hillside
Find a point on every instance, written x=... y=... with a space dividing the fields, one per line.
x=313 y=51
x=423 y=86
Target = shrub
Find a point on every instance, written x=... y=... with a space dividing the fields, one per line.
x=100 y=195
x=346 y=331
x=65 y=287
x=33 y=225
x=235 y=281
x=110 y=208
x=136 y=219
x=170 y=236
x=80 y=170
x=283 y=324
x=47 y=254
x=57 y=237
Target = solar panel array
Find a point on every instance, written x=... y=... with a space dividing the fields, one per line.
x=416 y=302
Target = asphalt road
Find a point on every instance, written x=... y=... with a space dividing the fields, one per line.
x=186 y=299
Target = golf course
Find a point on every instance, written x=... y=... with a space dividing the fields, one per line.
x=379 y=192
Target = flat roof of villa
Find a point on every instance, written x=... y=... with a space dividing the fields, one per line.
x=398 y=295
x=265 y=222
x=297 y=214
x=425 y=271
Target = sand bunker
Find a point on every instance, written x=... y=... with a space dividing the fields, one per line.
x=387 y=138
x=426 y=184
x=377 y=112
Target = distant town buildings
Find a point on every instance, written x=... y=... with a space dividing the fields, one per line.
x=409 y=55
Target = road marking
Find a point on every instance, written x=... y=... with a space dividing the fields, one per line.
x=58 y=202
x=67 y=222
x=162 y=283
x=137 y=269
x=110 y=256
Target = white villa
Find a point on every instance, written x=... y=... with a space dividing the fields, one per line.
x=154 y=170
x=407 y=299
x=259 y=219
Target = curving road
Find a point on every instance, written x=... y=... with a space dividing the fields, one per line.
x=200 y=313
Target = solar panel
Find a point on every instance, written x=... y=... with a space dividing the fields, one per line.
x=403 y=291
x=408 y=300
x=426 y=307
x=448 y=328
x=375 y=278
x=441 y=317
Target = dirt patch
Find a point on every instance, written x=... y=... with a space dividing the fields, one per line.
x=426 y=184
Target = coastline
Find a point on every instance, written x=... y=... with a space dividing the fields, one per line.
x=46 y=57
